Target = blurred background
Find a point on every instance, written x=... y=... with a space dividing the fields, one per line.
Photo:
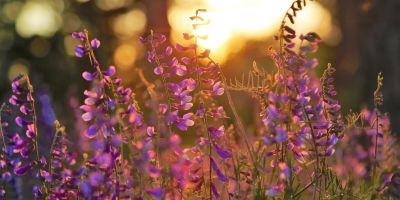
x=360 y=38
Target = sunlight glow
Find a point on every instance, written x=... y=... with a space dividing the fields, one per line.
x=233 y=22
x=38 y=18
x=19 y=66
x=125 y=56
x=129 y=24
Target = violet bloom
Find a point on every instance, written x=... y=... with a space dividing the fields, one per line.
x=157 y=192
x=273 y=191
x=184 y=122
x=223 y=153
x=217 y=89
x=217 y=132
x=219 y=173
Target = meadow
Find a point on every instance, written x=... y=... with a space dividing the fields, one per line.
x=180 y=136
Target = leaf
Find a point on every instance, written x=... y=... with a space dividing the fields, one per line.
x=290 y=51
x=287 y=39
x=290 y=18
x=298 y=2
x=183 y=48
x=214 y=191
x=204 y=54
x=196 y=18
x=289 y=30
x=200 y=10
x=215 y=167
x=194 y=26
x=223 y=153
x=187 y=36
x=203 y=37
x=290 y=36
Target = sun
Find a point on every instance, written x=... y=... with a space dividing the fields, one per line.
x=233 y=22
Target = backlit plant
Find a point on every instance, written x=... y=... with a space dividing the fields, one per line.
x=303 y=147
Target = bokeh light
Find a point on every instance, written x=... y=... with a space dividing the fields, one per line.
x=71 y=22
x=6 y=39
x=233 y=22
x=38 y=18
x=11 y=10
x=129 y=24
x=19 y=66
x=39 y=47
x=125 y=56
x=108 y=5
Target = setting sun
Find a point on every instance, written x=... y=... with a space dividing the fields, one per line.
x=233 y=22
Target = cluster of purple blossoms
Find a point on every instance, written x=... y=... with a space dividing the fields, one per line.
x=357 y=148
x=178 y=95
x=298 y=118
x=141 y=155
x=206 y=82
x=114 y=117
x=21 y=153
x=22 y=99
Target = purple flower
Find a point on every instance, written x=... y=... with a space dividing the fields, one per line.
x=6 y=176
x=184 y=122
x=223 y=153
x=156 y=192
x=95 y=179
x=22 y=169
x=91 y=132
x=217 y=89
x=79 y=35
x=37 y=192
x=281 y=135
x=153 y=171
x=203 y=141
x=80 y=51
x=158 y=70
x=285 y=171
x=214 y=191
x=171 y=117
x=168 y=51
x=273 y=191
x=220 y=175
x=217 y=132
x=201 y=110
x=110 y=71
x=162 y=108
x=86 y=189
x=95 y=43
x=104 y=160
x=180 y=69
x=150 y=131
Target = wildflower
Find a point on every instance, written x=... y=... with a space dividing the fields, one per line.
x=184 y=122
x=273 y=191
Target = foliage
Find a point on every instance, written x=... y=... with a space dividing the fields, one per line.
x=302 y=147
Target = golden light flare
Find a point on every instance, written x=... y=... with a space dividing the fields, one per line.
x=108 y=5
x=19 y=66
x=38 y=18
x=233 y=22
x=125 y=56
x=11 y=10
x=129 y=24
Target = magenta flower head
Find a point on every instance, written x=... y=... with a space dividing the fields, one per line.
x=185 y=122
x=157 y=193
x=217 y=89
x=223 y=153
x=80 y=51
x=79 y=35
x=273 y=191
x=95 y=43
